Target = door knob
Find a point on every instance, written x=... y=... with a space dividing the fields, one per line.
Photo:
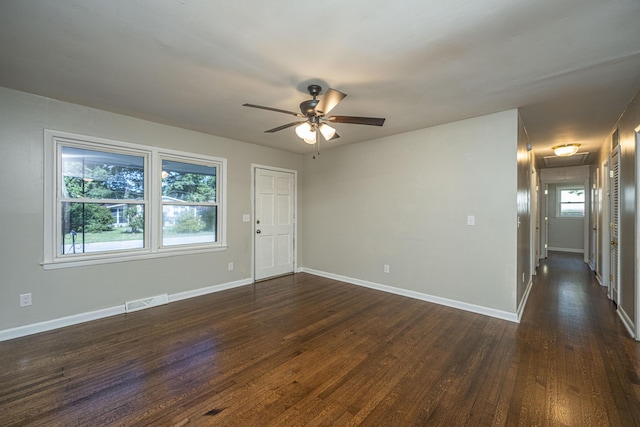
x=258 y=231
x=613 y=242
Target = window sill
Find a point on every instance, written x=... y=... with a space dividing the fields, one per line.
x=70 y=263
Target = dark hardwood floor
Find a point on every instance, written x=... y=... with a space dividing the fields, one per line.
x=308 y=351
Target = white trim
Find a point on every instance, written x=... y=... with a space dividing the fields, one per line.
x=626 y=321
x=61 y=322
x=523 y=302
x=21 y=331
x=129 y=257
x=572 y=250
x=209 y=290
x=486 y=311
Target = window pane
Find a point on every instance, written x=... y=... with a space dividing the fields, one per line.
x=572 y=209
x=101 y=175
x=188 y=182
x=183 y=225
x=572 y=196
x=96 y=227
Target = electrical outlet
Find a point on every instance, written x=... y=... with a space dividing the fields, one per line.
x=230 y=266
x=25 y=300
x=386 y=268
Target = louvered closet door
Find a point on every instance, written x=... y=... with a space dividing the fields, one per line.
x=614 y=232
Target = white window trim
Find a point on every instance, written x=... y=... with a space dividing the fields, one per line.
x=559 y=203
x=153 y=221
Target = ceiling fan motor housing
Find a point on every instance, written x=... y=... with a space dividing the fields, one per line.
x=308 y=107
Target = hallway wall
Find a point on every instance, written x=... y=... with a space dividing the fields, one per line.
x=629 y=239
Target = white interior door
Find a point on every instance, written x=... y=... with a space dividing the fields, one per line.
x=274 y=223
x=613 y=228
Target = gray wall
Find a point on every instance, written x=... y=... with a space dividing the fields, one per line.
x=72 y=291
x=401 y=200
x=404 y=201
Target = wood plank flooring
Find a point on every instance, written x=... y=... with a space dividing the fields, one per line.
x=307 y=351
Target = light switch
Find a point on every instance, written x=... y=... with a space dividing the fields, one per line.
x=471 y=220
x=246 y=218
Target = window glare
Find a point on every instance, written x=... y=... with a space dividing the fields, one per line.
x=101 y=175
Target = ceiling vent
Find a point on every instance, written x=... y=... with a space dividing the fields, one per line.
x=575 y=160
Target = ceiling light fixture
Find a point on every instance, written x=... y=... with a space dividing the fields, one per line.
x=565 y=149
x=307 y=132
x=327 y=131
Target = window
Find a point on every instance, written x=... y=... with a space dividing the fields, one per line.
x=189 y=203
x=570 y=202
x=106 y=200
x=101 y=200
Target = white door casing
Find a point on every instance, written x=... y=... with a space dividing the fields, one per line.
x=274 y=222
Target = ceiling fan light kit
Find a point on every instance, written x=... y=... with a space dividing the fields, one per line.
x=313 y=112
x=565 y=150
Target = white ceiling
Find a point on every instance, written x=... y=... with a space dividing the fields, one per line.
x=571 y=66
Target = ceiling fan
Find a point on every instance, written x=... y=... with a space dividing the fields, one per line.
x=314 y=112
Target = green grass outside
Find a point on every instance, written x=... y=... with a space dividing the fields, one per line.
x=123 y=234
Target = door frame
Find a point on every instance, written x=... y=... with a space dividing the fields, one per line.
x=604 y=231
x=582 y=177
x=637 y=238
x=595 y=221
x=254 y=168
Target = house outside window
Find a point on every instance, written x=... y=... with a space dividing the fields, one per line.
x=109 y=199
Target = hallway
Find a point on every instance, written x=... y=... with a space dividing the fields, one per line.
x=576 y=357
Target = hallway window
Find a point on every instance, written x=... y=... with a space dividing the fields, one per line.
x=570 y=202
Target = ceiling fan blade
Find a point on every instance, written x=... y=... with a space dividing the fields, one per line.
x=328 y=101
x=372 y=121
x=273 y=109
x=288 y=125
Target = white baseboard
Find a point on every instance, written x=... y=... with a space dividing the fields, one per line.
x=626 y=320
x=572 y=250
x=505 y=315
x=75 y=319
x=209 y=290
x=523 y=303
